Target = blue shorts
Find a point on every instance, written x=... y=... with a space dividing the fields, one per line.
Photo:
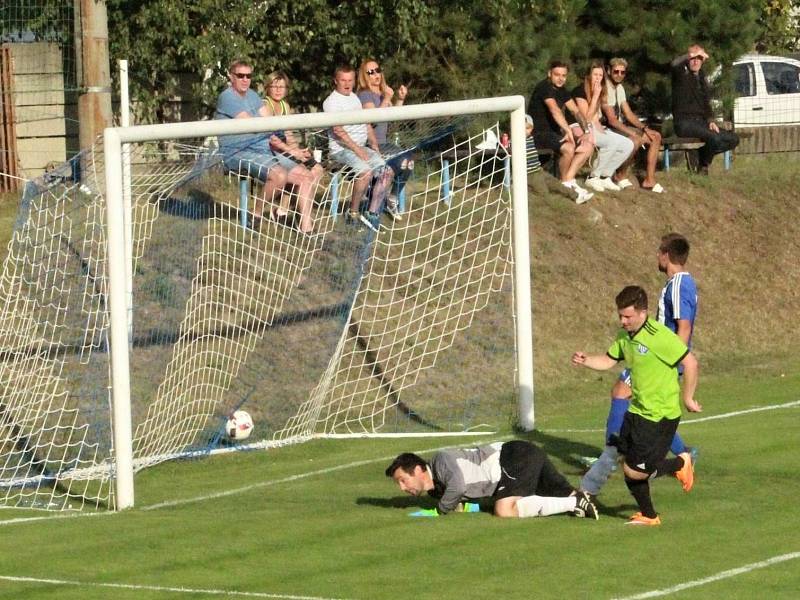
x=251 y=164
x=350 y=159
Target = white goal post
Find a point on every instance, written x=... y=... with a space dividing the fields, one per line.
x=119 y=258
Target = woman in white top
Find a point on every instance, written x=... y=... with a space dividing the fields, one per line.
x=613 y=149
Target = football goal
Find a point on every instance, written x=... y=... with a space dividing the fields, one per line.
x=152 y=289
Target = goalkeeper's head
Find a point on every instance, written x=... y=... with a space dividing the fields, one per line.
x=411 y=473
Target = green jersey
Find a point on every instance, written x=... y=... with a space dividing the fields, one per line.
x=652 y=354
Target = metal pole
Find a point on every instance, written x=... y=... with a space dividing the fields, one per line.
x=125 y=121
x=446 y=181
x=243 y=193
x=522 y=269
x=120 y=366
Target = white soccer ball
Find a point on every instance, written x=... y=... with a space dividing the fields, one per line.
x=239 y=425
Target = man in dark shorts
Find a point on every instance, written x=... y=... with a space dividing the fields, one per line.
x=517 y=475
x=552 y=130
x=652 y=353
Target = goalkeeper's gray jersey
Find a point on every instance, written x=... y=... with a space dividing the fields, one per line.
x=465 y=474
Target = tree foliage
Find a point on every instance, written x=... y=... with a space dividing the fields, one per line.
x=306 y=38
x=650 y=34
x=780 y=24
x=442 y=49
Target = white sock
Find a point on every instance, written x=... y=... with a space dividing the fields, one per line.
x=543 y=506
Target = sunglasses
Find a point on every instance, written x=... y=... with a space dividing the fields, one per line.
x=373 y=71
x=243 y=75
x=619 y=71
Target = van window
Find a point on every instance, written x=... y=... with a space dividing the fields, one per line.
x=781 y=78
x=745 y=78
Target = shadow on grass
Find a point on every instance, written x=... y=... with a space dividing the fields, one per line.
x=566 y=450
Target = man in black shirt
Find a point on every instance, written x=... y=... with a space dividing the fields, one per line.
x=691 y=107
x=551 y=129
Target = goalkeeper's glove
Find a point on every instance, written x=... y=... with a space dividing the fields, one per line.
x=471 y=507
x=425 y=512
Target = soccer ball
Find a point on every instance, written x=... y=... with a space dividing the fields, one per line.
x=239 y=425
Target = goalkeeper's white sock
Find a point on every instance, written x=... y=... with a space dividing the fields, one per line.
x=542 y=506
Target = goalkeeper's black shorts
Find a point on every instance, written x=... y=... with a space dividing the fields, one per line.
x=526 y=471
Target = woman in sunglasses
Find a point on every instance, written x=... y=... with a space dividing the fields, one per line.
x=613 y=149
x=303 y=170
x=374 y=92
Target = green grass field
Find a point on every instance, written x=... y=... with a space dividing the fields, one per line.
x=320 y=520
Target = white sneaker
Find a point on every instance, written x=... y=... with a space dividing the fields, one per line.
x=394 y=213
x=391 y=208
x=595 y=183
x=583 y=195
x=609 y=184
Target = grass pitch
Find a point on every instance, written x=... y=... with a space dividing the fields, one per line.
x=320 y=520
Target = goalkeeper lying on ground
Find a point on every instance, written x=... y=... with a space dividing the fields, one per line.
x=517 y=475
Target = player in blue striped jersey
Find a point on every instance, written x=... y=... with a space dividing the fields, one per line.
x=677 y=309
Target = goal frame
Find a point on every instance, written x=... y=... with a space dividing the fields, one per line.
x=119 y=254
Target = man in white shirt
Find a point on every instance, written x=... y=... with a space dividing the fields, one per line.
x=356 y=146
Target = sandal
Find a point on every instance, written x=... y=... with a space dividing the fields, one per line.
x=624 y=183
x=656 y=189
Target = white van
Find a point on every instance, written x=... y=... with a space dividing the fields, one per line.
x=767 y=91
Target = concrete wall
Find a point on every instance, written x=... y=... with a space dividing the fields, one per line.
x=45 y=115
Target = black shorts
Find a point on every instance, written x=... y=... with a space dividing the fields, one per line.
x=644 y=442
x=548 y=139
x=526 y=471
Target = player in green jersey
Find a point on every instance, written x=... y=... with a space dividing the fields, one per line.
x=652 y=353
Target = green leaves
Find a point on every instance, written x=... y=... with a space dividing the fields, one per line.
x=442 y=49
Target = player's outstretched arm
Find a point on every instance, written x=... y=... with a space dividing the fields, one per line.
x=690 y=376
x=598 y=362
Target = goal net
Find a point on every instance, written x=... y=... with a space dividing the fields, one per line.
x=146 y=300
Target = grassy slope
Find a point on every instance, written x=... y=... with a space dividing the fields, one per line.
x=743 y=226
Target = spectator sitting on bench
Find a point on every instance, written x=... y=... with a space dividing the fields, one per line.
x=374 y=92
x=355 y=146
x=691 y=107
x=621 y=118
x=248 y=154
x=298 y=161
x=613 y=148
x=538 y=181
x=551 y=129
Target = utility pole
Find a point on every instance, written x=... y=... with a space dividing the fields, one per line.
x=94 y=101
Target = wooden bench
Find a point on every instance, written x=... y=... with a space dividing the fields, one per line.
x=679 y=144
x=687 y=145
